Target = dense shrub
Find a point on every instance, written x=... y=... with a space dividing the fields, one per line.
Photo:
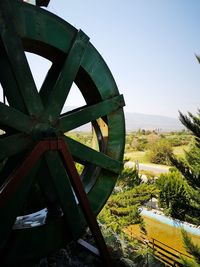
x=139 y=143
x=174 y=194
x=129 y=178
x=160 y=152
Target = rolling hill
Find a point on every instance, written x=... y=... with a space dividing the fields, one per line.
x=135 y=121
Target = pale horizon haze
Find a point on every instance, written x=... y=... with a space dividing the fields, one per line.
x=149 y=46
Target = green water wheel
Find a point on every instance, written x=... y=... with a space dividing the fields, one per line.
x=31 y=114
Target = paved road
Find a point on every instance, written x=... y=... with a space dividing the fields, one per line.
x=154 y=168
x=149 y=167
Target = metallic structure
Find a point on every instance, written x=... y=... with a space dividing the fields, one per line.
x=36 y=153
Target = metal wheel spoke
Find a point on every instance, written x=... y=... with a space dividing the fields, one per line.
x=86 y=155
x=13 y=144
x=67 y=75
x=19 y=64
x=64 y=190
x=14 y=119
x=74 y=119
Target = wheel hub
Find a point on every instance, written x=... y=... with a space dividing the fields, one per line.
x=42 y=131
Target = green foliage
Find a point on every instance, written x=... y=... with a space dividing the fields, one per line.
x=188 y=171
x=160 y=152
x=142 y=140
x=139 y=156
x=190 y=168
x=84 y=138
x=139 y=143
x=122 y=210
x=152 y=138
x=79 y=168
x=189 y=262
x=192 y=249
x=192 y=123
x=129 y=178
x=136 y=141
x=174 y=194
x=192 y=157
x=126 y=251
x=179 y=138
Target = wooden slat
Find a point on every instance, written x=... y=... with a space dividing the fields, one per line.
x=16 y=56
x=15 y=119
x=66 y=77
x=49 y=83
x=86 y=155
x=12 y=145
x=9 y=85
x=65 y=193
x=74 y=119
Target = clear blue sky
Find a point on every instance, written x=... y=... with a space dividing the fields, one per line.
x=149 y=47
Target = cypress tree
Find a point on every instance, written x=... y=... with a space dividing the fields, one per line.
x=190 y=166
x=190 y=169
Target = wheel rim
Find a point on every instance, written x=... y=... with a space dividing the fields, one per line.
x=31 y=116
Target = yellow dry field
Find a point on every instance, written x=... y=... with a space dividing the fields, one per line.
x=171 y=236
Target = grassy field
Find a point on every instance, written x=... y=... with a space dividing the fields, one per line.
x=180 y=150
x=139 y=156
x=142 y=156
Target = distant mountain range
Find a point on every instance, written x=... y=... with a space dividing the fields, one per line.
x=135 y=121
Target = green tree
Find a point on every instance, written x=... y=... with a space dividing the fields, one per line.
x=129 y=178
x=173 y=194
x=122 y=210
x=190 y=170
x=190 y=166
x=192 y=157
x=160 y=152
x=192 y=249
